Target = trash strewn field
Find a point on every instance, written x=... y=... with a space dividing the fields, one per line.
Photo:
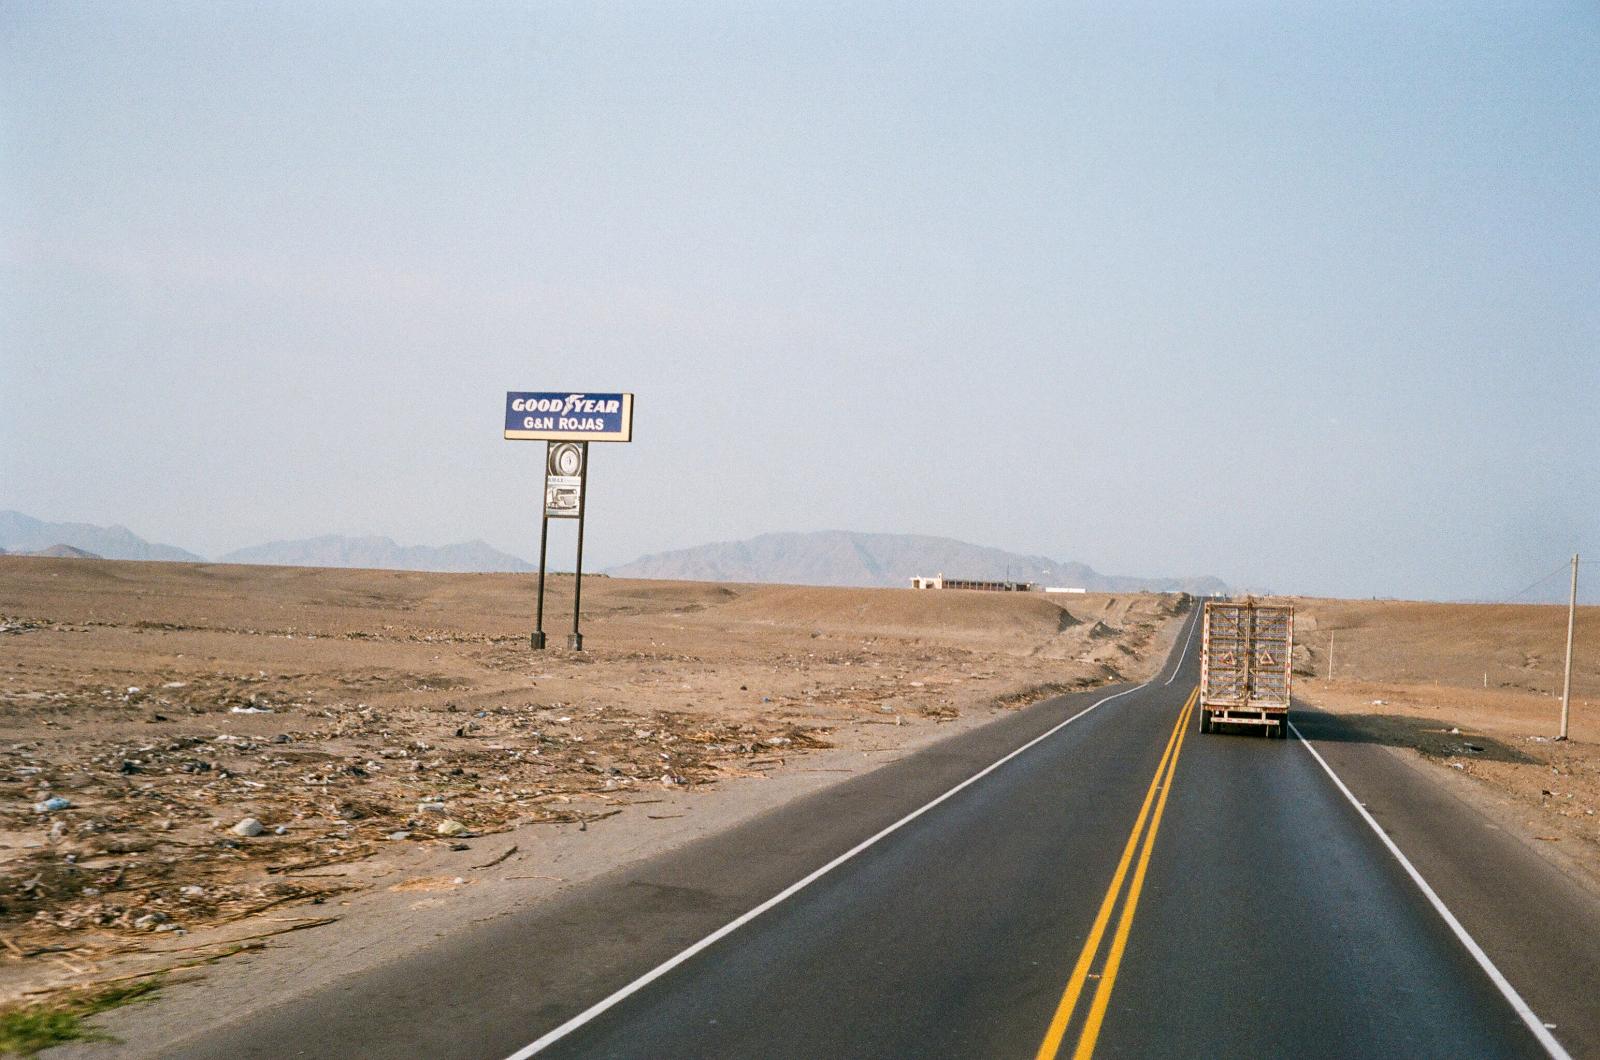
x=187 y=746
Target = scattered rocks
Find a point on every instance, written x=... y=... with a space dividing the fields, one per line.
x=449 y=827
x=249 y=828
x=52 y=804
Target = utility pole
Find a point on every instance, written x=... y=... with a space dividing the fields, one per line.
x=1566 y=680
x=1329 y=679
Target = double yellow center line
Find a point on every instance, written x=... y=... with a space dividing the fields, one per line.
x=1160 y=787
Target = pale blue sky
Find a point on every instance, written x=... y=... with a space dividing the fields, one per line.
x=1306 y=297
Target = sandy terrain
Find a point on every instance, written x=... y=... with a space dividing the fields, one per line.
x=377 y=724
x=1472 y=692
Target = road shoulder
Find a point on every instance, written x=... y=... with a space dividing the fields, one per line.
x=1537 y=919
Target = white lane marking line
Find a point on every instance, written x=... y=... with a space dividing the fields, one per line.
x=1194 y=623
x=1537 y=1026
x=729 y=928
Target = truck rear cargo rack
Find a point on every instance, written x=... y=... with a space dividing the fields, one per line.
x=1245 y=665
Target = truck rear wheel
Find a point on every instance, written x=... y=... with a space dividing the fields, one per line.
x=1205 y=720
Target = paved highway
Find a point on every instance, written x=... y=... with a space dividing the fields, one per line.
x=1088 y=877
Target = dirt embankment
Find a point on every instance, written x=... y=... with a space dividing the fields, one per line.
x=187 y=746
x=1475 y=691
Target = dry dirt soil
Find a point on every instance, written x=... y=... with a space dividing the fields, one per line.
x=1472 y=693
x=367 y=719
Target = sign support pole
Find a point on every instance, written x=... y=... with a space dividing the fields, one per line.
x=575 y=640
x=537 y=640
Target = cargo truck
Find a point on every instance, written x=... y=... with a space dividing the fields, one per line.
x=1244 y=665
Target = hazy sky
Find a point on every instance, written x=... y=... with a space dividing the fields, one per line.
x=1306 y=297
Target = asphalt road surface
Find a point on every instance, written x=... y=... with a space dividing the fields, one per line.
x=1113 y=884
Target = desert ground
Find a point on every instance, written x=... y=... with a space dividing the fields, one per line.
x=1472 y=693
x=197 y=759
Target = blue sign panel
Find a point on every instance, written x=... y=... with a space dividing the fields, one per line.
x=568 y=417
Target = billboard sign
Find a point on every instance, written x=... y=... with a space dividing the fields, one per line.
x=569 y=417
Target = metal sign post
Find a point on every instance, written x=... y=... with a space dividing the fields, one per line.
x=568 y=422
x=538 y=614
x=575 y=638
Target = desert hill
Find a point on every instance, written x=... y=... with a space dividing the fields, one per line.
x=21 y=533
x=56 y=552
x=1507 y=649
x=379 y=553
x=846 y=558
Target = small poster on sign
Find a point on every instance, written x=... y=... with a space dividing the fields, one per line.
x=563 y=496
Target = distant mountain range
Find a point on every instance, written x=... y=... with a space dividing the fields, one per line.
x=841 y=557
x=380 y=553
x=829 y=557
x=23 y=533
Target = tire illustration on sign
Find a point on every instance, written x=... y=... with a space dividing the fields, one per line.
x=565 y=459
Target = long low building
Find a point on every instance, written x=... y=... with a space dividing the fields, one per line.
x=939 y=581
